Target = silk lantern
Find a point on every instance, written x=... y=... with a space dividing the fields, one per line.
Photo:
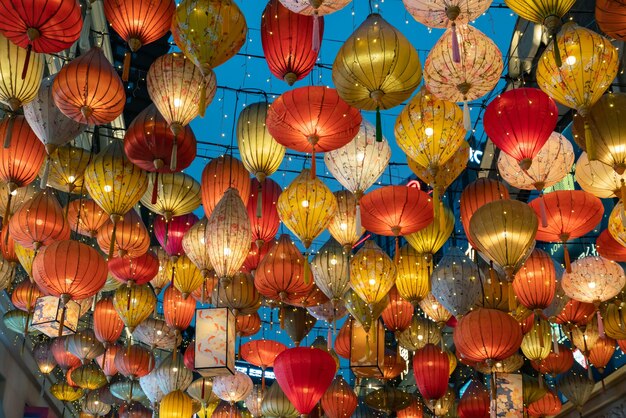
x=176 y=404
x=128 y=237
x=609 y=16
x=232 y=388
x=413 y=274
x=170 y=233
x=248 y=325
x=339 y=400
x=588 y=71
x=346 y=226
x=597 y=178
x=239 y=294
x=85 y=217
x=134 y=304
x=316 y=8
x=330 y=268
x=177 y=194
x=557 y=362
x=156 y=333
x=287 y=40
x=263 y=203
x=107 y=324
x=261 y=353
x=422 y=331
x=577 y=388
x=390 y=76
x=298 y=322
x=575 y=313
x=178 y=311
x=475 y=195
x=475 y=401
x=276 y=404
x=388 y=399
x=219 y=175
x=17 y=87
x=614 y=318
x=397 y=315
x=548 y=405
x=39 y=222
x=372 y=273
x=134 y=270
x=431 y=367
x=602 y=353
x=172 y=374
x=432 y=238
x=435 y=310
x=66 y=393
x=456 y=282
x=66 y=170
x=536 y=343
x=535 y=282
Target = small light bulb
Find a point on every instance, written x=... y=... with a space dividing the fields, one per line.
x=571 y=60
x=177 y=102
x=360 y=157
x=305 y=203
x=592 y=285
x=107 y=188
x=429 y=131
x=372 y=282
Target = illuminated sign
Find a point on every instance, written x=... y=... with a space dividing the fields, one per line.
x=254 y=372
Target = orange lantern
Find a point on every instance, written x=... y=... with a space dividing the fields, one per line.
x=134 y=361
x=38 y=222
x=107 y=324
x=261 y=353
x=86 y=217
x=609 y=248
x=263 y=203
x=177 y=310
x=535 y=283
x=339 y=400
x=219 y=175
x=128 y=236
x=602 y=352
x=398 y=314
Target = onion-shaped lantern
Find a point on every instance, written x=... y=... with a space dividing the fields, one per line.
x=107 y=324
x=421 y=332
x=89 y=376
x=38 y=222
x=330 y=268
x=372 y=273
x=398 y=314
x=62 y=357
x=477 y=194
x=557 y=362
x=219 y=175
x=232 y=388
x=575 y=313
x=86 y=217
x=187 y=277
x=346 y=226
x=84 y=345
x=435 y=310
x=602 y=352
x=342 y=341
x=261 y=353
x=177 y=194
x=247 y=325
x=456 y=283
x=548 y=405
x=298 y=322
x=262 y=212
x=94 y=406
x=276 y=404
x=19 y=83
x=194 y=246
x=431 y=239
x=134 y=304
x=178 y=311
x=134 y=362
x=413 y=274
x=172 y=374
x=127 y=237
x=339 y=400
x=156 y=333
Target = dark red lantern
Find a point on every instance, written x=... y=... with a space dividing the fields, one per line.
x=432 y=371
x=255 y=255
x=535 y=282
x=287 y=40
x=107 y=324
x=134 y=361
x=343 y=340
x=189 y=357
x=177 y=310
x=609 y=248
x=304 y=374
x=398 y=314
x=264 y=220
x=170 y=233
x=139 y=270
x=520 y=121
x=475 y=401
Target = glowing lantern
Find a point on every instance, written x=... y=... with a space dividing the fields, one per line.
x=475 y=401
x=372 y=273
x=435 y=310
x=535 y=283
x=548 y=405
x=156 y=333
x=557 y=362
x=134 y=362
x=599 y=179
x=367 y=349
x=187 y=277
x=614 y=318
x=570 y=214
x=94 y=406
x=107 y=324
x=430 y=131
x=590 y=65
x=67 y=169
x=421 y=332
x=139 y=270
x=17 y=87
x=330 y=268
x=194 y=246
x=414 y=410
x=24 y=296
x=342 y=344
x=575 y=313
x=85 y=217
x=339 y=400
x=126 y=237
x=239 y=294
x=201 y=390
x=455 y=282
x=178 y=311
x=472 y=76
x=84 y=345
x=376 y=68
x=477 y=194
x=536 y=343
x=214 y=344
x=431 y=367
x=313 y=118
x=232 y=388
x=228 y=234
x=345 y=226
x=248 y=325
x=385 y=211
x=253 y=401
x=261 y=353
x=263 y=203
x=134 y=304
x=176 y=404
x=178 y=194
x=172 y=374
x=276 y=404
x=519 y=122
x=602 y=352
x=431 y=239
x=63 y=358
x=66 y=393
x=134 y=409
x=306 y=207
x=107 y=360
x=398 y=314
x=413 y=275
x=170 y=233
x=52 y=317
x=576 y=388
x=487 y=335
x=38 y=222
x=219 y=175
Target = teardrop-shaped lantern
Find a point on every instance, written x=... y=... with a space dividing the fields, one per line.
x=17 y=86
x=413 y=278
x=398 y=314
x=456 y=282
x=372 y=273
x=330 y=268
x=65 y=169
x=127 y=237
x=134 y=304
x=431 y=239
x=298 y=322
x=345 y=226
x=239 y=295
x=262 y=212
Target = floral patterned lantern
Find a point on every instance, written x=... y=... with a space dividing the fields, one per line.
x=232 y=388
x=67 y=169
x=85 y=217
x=134 y=304
x=345 y=226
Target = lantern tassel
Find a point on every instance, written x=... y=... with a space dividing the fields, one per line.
x=396 y=255
x=557 y=52
x=7 y=215
x=456 y=53
x=305 y=265
x=591 y=152
x=126 y=67
x=566 y=258
x=600 y=325
x=542 y=211
x=555 y=342
x=512 y=299
x=44 y=176
x=112 y=244
x=316 y=31
x=379 y=126
x=9 y=132
x=313 y=164
x=467 y=120
x=155 y=189
x=359 y=227
x=202 y=100
x=174 y=157
x=29 y=50
x=259 y=202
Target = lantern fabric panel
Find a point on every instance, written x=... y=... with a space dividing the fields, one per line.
x=372 y=273
x=535 y=282
x=16 y=90
x=609 y=248
x=413 y=274
x=610 y=16
x=65 y=168
x=21 y=160
x=131 y=237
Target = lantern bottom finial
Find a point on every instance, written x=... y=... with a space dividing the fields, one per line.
x=290 y=78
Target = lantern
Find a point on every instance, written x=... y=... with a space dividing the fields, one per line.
x=593 y=280
x=312 y=118
x=156 y=333
x=372 y=273
x=66 y=393
x=178 y=194
x=67 y=168
x=577 y=388
x=435 y=310
x=134 y=362
x=107 y=360
x=330 y=268
x=134 y=304
x=298 y=322
x=575 y=313
x=232 y=388
x=94 y=406
x=63 y=358
x=84 y=345
x=89 y=376
x=261 y=353
x=139 y=270
x=557 y=362
x=201 y=390
x=342 y=344
x=431 y=367
x=597 y=178
x=414 y=410
x=536 y=343
x=385 y=211
x=103 y=181
x=44 y=358
x=177 y=311
x=388 y=399
x=535 y=283
x=248 y=325
x=304 y=374
x=455 y=283
x=134 y=409
x=38 y=222
x=343 y=226
x=475 y=401
x=17 y=87
x=519 y=122
x=421 y=332
x=498 y=334
x=239 y=294
x=127 y=237
x=24 y=296
x=209 y=32
x=548 y=405
x=175 y=404
x=85 y=217
x=588 y=71
x=228 y=235
x=614 y=318
x=215 y=342
x=172 y=83
x=616 y=225
x=324 y=311
x=477 y=194
x=107 y=324
x=194 y=246
x=569 y=214
x=172 y=374
x=276 y=404
x=52 y=317
x=254 y=400
x=398 y=314
x=471 y=76
x=432 y=238
x=339 y=400
x=391 y=74
x=602 y=352
x=265 y=226
x=306 y=207
x=187 y=277
x=367 y=349
x=413 y=274
x=219 y=175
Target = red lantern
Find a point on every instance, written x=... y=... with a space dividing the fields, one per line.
x=477 y=194
x=170 y=233
x=602 y=352
x=149 y=140
x=39 y=221
x=134 y=361
x=548 y=405
x=107 y=360
x=88 y=89
x=25 y=295
x=610 y=16
x=280 y=275
x=264 y=220
x=69 y=270
x=520 y=121
x=220 y=174
x=339 y=400
x=622 y=345
x=312 y=119
x=569 y=214
x=475 y=401
x=343 y=340
x=527 y=323
x=131 y=236
x=287 y=40
x=486 y=335
x=414 y=410
x=189 y=357
x=134 y=410
x=432 y=371
x=393 y=365
x=609 y=248
x=255 y=255
x=398 y=314
x=576 y=313
x=556 y=363
x=86 y=217
x=248 y=325
x=535 y=283
x=107 y=324
x=139 y=270
x=304 y=374
x=64 y=358
x=178 y=311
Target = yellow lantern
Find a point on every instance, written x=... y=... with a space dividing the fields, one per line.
x=590 y=63
x=239 y=295
x=25 y=256
x=435 y=310
x=413 y=278
x=430 y=131
x=430 y=239
x=164 y=275
x=585 y=338
x=276 y=404
x=194 y=245
x=17 y=88
x=259 y=151
x=614 y=321
x=178 y=194
x=173 y=83
x=599 y=179
x=115 y=183
x=376 y=68
x=372 y=273
x=306 y=207
x=617 y=226
x=18 y=196
x=537 y=343
x=421 y=332
x=134 y=304
x=66 y=393
x=209 y=32
x=345 y=226
x=330 y=268
x=176 y=404
x=187 y=277
x=67 y=168
x=228 y=235
x=364 y=314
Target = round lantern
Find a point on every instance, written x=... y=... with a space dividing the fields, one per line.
x=610 y=17
x=84 y=345
x=414 y=410
x=66 y=393
x=107 y=360
x=372 y=273
x=431 y=239
x=330 y=268
x=170 y=233
x=535 y=282
x=456 y=282
x=536 y=343
x=172 y=374
x=65 y=169
x=557 y=362
x=175 y=404
x=85 y=217
x=134 y=361
x=219 y=175
x=548 y=405
x=156 y=333
x=261 y=353
x=614 y=319
x=17 y=87
x=232 y=388
x=128 y=237
x=413 y=274
x=276 y=404
x=194 y=246
x=575 y=313
x=134 y=304
x=475 y=401
x=107 y=324
x=598 y=178
x=62 y=357
x=593 y=280
x=431 y=367
x=602 y=353
x=177 y=194
x=398 y=314
x=477 y=194
x=376 y=68
x=94 y=406
x=590 y=63
x=178 y=311
x=422 y=331
x=306 y=207
x=248 y=325
x=139 y=270
x=577 y=388
x=187 y=277
x=443 y=13
x=39 y=222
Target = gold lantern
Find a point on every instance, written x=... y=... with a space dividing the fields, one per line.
x=421 y=332
x=345 y=226
x=115 y=183
x=259 y=151
x=16 y=87
x=537 y=343
x=66 y=393
x=51 y=314
x=590 y=63
x=194 y=245
x=176 y=404
x=306 y=207
x=429 y=240
x=376 y=68
x=67 y=168
x=599 y=179
x=364 y=314
x=413 y=278
x=277 y=405
x=134 y=304
x=585 y=338
x=372 y=273
x=435 y=310
x=330 y=268
x=614 y=320
x=173 y=194
x=214 y=342
x=367 y=350
x=239 y=295
x=164 y=275
x=25 y=256
x=187 y=277
x=228 y=235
